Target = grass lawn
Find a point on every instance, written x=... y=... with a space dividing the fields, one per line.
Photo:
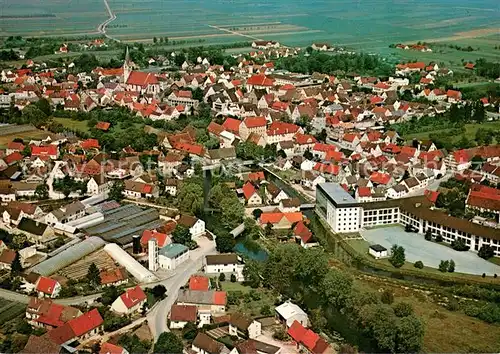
x=470 y=131
x=72 y=124
x=10 y=310
x=249 y=305
x=445 y=331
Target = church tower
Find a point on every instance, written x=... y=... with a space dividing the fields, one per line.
x=126 y=67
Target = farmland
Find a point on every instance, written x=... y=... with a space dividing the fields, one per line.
x=25 y=132
x=10 y=310
x=369 y=25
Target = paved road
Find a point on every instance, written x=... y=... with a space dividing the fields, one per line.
x=157 y=317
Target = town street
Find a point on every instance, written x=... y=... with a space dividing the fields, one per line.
x=157 y=317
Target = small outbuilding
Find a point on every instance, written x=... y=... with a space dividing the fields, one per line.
x=378 y=251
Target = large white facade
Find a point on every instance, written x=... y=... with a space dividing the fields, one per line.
x=339 y=208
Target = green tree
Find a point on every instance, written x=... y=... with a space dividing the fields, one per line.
x=428 y=235
x=397 y=258
x=181 y=234
x=44 y=105
x=222 y=277
x=451 y=266
x=155 y=40
x=42 y=192
x=190 y=197
x=93 y=276
x=252 y=272
x=381 y=323
x=189 y=331
x=168 y=342
x=443 y=266
x=265 y=310
x=257 y=213
x=16 y=266
x=232 y=211
x=336 y=287
x=225 y=242
x=116 y=191
x=419 y=265
x=410 y=335
x=159 y=291
x=233 y=278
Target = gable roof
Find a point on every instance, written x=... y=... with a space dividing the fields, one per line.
x=133 y=296
x=46 y=285
x=199 y=282
x=254 y=122
x=183 y=313
x=248 y=190
x=86 y=322
x=108 y=348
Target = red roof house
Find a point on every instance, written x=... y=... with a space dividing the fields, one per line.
x=47 y=286
x=50 y=151
x=161 y=239
x=130 y=301
x=199 y=282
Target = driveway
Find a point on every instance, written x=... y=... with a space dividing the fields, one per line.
x=430 y=253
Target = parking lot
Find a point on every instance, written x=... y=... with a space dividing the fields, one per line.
x=430 y=253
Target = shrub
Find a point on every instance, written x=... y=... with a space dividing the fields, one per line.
x=233 y=278
x=403 y=309
x=486 y=252
x=387 y=297
x=428 y=235
x=266 y=310
x=397 y=258
x=453 y=305
x=222 y=277
x=419 y=264
x=279 y=334
x=459 y=245
x=484 y=275
x=439 y=238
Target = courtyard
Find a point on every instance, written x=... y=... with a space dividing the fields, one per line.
x=430 y=253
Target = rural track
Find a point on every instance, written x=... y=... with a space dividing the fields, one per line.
x=102 y=27
x=234 y=32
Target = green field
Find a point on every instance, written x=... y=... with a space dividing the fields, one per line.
x=248 y=306
x=72 y=124
x=470 y=131
x=369 y=25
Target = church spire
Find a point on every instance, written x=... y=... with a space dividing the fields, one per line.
x=126 y=67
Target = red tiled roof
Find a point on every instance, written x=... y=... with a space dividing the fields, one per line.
x=281 y=128
x=161 y=239
x=380 y=178
x=49 y=150
x=333 y=155
x=112 y=276
x=219 y=298
x=140 y=78
x=62 y=334
x=256 y=176
x=11 y=158
x=254 y=122
x=90 y=144
x=248 y=190
x=198 y=282
x=303 y=139
x=46 y=285
x=103 y=125
x=183 y=313
x=275 y=218
x=133 y=296
x=431 y=195
x=303 y=232
x=232 y=125
x=364 y=191
x=14 y=145
x=215 y=128
x=108 y=348
x=408 y=150
x=296 y=331
x=86 y=322
x=260 y=80
x=309 y=339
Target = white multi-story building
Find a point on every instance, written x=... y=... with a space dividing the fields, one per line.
x=170 y=256
x=225 y=263
x=341 y=211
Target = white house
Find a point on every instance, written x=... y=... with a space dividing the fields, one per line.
x=203 y=344
x=242 y=326
x=289 y=313
x=378 y=251
x=97 y=185
x=47 y=287
x=225 y=263
x=196 y=226
x=130 y=301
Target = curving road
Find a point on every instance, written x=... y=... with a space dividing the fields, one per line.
x=102 y=27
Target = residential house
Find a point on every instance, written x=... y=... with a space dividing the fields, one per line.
x=224 y=263
x=137 y=190
x=97 y=184
x=211 y=301
x=254 y=346
x=108 y=348
x=290 y=205
x=116 y=277
x=66 y=213
x=47 y=287
x=244 y=327
x=181 y=315
x=132 y=300
x=251 y=125
x=196 y=226
x=172 y=255
x=280 y=220
x=36 y=232
x=274 y=194
x=251 y=195
x=203 y=344
x=308 y=341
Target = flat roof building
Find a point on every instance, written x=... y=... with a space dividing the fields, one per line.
x=340 y=210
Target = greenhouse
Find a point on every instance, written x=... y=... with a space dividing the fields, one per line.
x=69 y=256
x=133 y=267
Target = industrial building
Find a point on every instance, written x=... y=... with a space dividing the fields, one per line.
x=133 y=267
x=68 y=256
x=122 y=223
